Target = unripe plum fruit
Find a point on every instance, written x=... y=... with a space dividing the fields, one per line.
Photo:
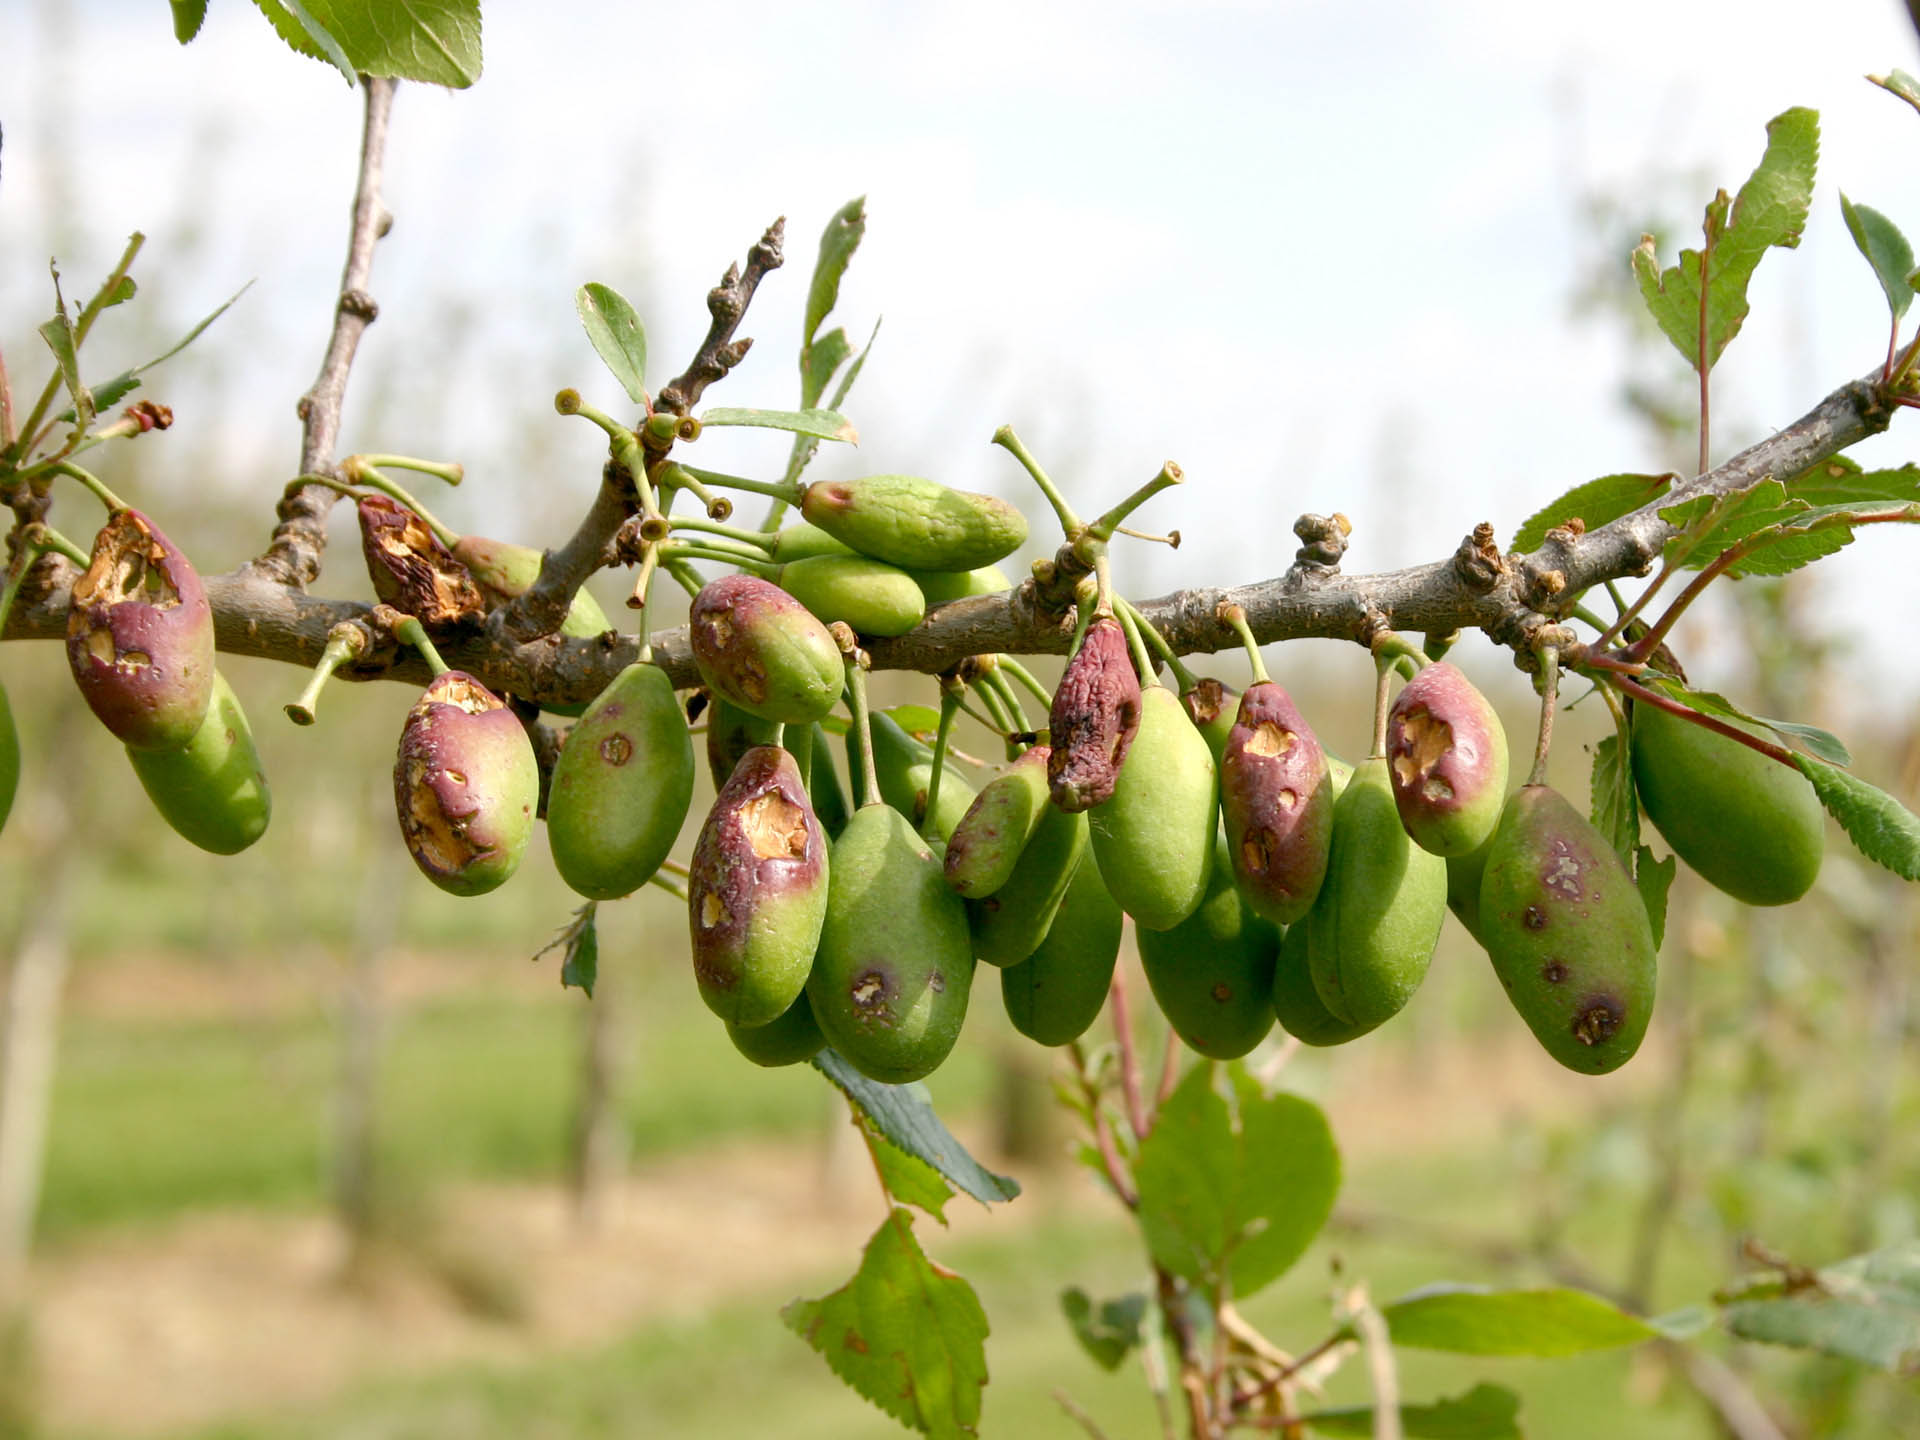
x=763 y=650
x=1447 y=759
x=465 y=784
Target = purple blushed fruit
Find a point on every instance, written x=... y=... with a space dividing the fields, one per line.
x=1276 y=797
x=465 y=785
x=1447 y=759
x=762 y=649
x=991 y=837
x=140 y=636
x=1095 y=715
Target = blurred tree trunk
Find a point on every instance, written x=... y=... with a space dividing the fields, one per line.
x=362 y=1026
x=599 y=1137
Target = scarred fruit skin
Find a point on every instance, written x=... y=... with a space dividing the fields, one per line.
x=757 y=891
x=763 y=650
x=1010 y=924
x=411 y=570
x=987 y=843
x=1057 y=992
x=890 y=980
x=1153 y=839
x=1213 y=707
x=1095 y=715
x=140 y=636
x=793 y=1037
x=465 y=785
x=875 y=598
x=1567 y=933
x=1447 y=759
x=1212 y=974
x=1746 y=824
x=621 y=786
x=1374 y=926
x=1276 y=797
x=914 y=523
x=212 y=789
x=1296 y=1004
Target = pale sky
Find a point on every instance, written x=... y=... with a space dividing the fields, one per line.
x=1294 y=247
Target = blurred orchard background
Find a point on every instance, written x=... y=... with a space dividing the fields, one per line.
x=295 y=1145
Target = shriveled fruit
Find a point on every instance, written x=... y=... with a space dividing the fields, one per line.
x=757 y=891
x=621 y=786
x=212 y=789
x=411 y=570
x=890 y=980
x=1447 y=759
x=140 y=636
x=1297 y=1004
x=875 y=598
x=1276 y=797
x=1094 y=718
x=763 y=650
x=915 y=523
x=987 y=843
x=905 y=768
x=1153 y=839
x=465 y=785
x=1747 y=824
x=1056 y=992
x=1567 y=933
x=1010 y=924
x=1212 y=974
x=1373 y=928
x=795 y=1036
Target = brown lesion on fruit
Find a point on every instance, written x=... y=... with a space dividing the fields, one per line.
x=437 y=838
x=616 y=750
x=128 y=564
x=1223 y=993
x=1561 y=871
x=1269 y=740
x=1256 y=850
x=1554 y=972
x=713 y=911
x=775 y=827
x=1534 y=918
x=1205 y=701
x=1422 y=740
x=1598 y=1020
x=463 y=692
x=937 y=982
x=869 y=993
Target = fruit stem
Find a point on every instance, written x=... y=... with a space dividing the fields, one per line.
x=1142 y=661
x=1069 y=522
x=1153 y=637
x=1435 y=647
x=1383 y=666
x=683 y=574
x=1026 y=677
x=1103 y=528
x=409 y=631
x=778 y=489
x=101 y=493
x=1643 y=694
x=676 y=476
x=868 y=779
x=362 y=468
x=345 y=641
x=669 y=884
x=1170 y=539
x=451 y=471
x=998 y=684
x=642 y=592
x=759 y=540
x=1233 y=615
x=949 y=707
x=1400 y=648
x=1549 y=682
x=726 y=552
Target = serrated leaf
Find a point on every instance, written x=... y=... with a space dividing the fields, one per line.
x=1770 y=210
x=904 y=1115
x=1474 y=1321
x=1901 y=84
x=905 y=1333
x=1616 y=813
x=293 y=23
x=436 y=42
x=1486 y=1412
x=1839 y=480
x=187 y=18
x=821 y=424
x=618 y=337
x=1886 y=250
x=1242 y=1189
x=1597 y=502
x=1880 y=827
x=128 y=380
x=1709 y=524
x=908 y=1178
x=1108 y=1332
x=1653 y=878
x=1823 y=743
x=1866 y=1309
x=837 y=243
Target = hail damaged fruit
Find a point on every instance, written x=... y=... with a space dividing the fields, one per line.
x=211 y=790
x=465 y=785
x=411 y=570
x=1276 y=797
x=1212 y=707
x=763 y=650
x=140 y=636
x=991 y=837
x=1567 y=933
x=757 y=891
x=1095 y=715
x=1447 y=758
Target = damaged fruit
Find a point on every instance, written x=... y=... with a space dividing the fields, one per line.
x=1094 y=718
x=212 y=789
x=1276 y=797
x=762 y=649
x=465 y=784
x=1447 y=759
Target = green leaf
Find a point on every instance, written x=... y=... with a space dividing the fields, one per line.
x=1109 y=1332
x=1685 y=1323
x=1776 y=533
x=128 y=380
x=293 y=23
x=187 y=18
x=919 y=721
x=1616 y=814
x=1770 y=210
x=908 y=1178
x=1886 y=249
x=58 y=333
x=436 y=42
x=818 y=362
x=904 y=1115
x=1597 y=503
x=1823 y=743
x=1898 y=82
x=1475 y=1321
x=579 y=943
x=837 y=244
x=906 y=1334
x=1881 y=828
x=1839 y=480
x=1486 y=1412
x=1866 y=1309
x=821 y=424
x=618 y=337
x=1653 y=878
x=1240 y=1190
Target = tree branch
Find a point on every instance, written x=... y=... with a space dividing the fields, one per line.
x=293 y=556
x=727 y=303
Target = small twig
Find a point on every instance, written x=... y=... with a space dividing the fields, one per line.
x=1074 y=1412
x=727 y=303
x=1129 y=1060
